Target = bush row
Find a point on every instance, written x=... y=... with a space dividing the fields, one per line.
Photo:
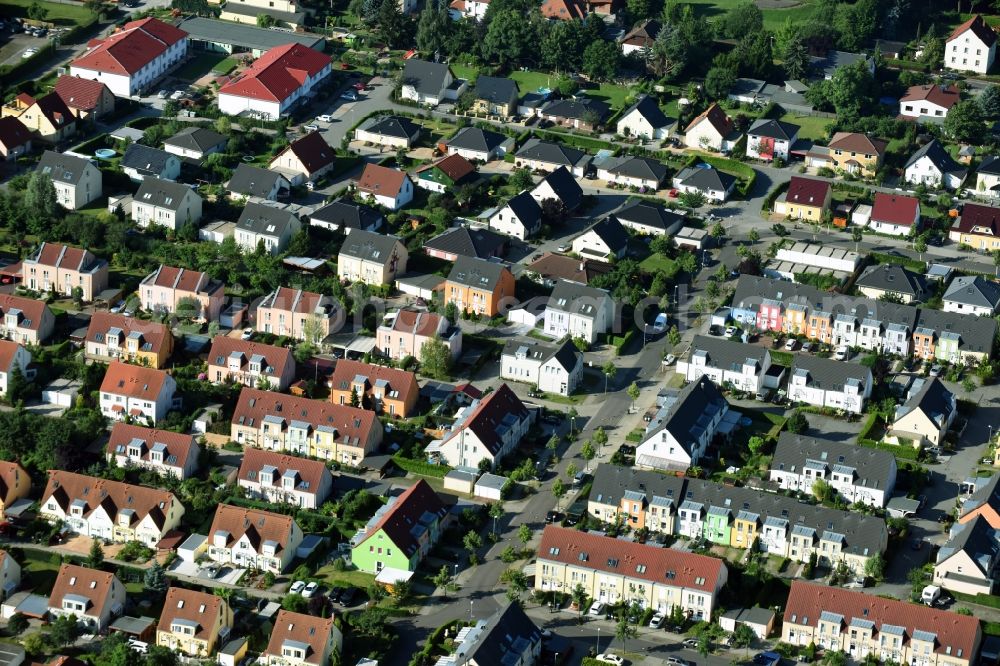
x=901 y=452
x=420 y=467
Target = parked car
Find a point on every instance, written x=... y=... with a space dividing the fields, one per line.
x=335 y=594
x=177 y=94
x=311 y=127
x=935 y=371
x=597 y=608
x=297 y=587
x=791 y=344
x=731 y=331
x=310 y=589
x=660 y=323
x=349 y=95
x=669 y=359
x=246 y=334
x=565 y=247
x=676 y=661
x=691 y=642
x=348 y=597
x=807 y=347
x=609 y=658
x=657 y=620
x=325 y=118
x=840 y=354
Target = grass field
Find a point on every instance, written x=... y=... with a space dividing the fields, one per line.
x=55 y=13
x=812 y=128
x=657 y=262
x=773 y=18
x=200 y=65
x=467 y=72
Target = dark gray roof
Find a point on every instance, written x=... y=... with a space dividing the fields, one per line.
x=611 y=482
x=894 y=278
x=697 y=404
x=650 y=215
x=369 y=246
x=251 y=37
x=147 y=161
x=474 y=138
x=477 y=273
x=871 y=468
x=726 y=354
x=828 y=374
x=197 y=138
x=987 y=494
x=636 y=167
x=553 y=153
x=265 y=220
x=565 y=186
x=162 y=193
x=834 y=59
x=973 y=290
x=526 y=209
x=566 y=353
x=774 y=129
x=348 y=214
x=509 y=634
x=468 y=242
x=650 y=110
x=577 y=109
x=990 y=165
x=253 y=181
x=976 y=334
x=706 y=178
x=62 y=168
x=394 y=126
x=496 y=90
x=427 y=78
x=611 y=231
x=979 y=540
x=933 y=399
x=576 y=298
x=938 y=156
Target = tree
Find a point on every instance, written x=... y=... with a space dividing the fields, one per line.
x=496 y=513
x=756 y=445
x=435 y=359
x=509 y=38
x=823 y=491
x=753 y=236
x=601 y=59
x=295 y=603
x=965 y=122
x=521 y=179
x=265 y=21
x=668 y=56
x=17 y=623
x=633 y=392
x=36 y=12
x=432 y=28
x=392 y=25
x=718 y=233
x=64 y=630
x=95 y=558
x=674 y=336
x=692 y=198
x=851 y=92
x=188 y=307
x=795 y=58
x=920 y=246
x=743 y=19
x=719 y=81
x=610 y=370
x=40 y=201
x=571 y=470
x=443 y=577
x=35 y=643
x=588 y=452
x=834 y=658
x=856 y=235
x=524 y=534
x=875 y=568
x=472 y=542
x=579 y=596
x=743 y=637
x=625 y=630
x=600 y=437
x=753 y=54
x=989 y=102
x=558 y=489
x=797 y=423
x=155 y=579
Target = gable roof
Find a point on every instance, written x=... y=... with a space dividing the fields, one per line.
x=829 y=374
x=308 y=474
x=192 y=608
x=454 y=167
x=298 y=301
x=466 y=241
x=716 y=117
x=508 y=634
x=477 y=139
x=135 y=46
x=91 y=584
x=196 y=138
x=973 y=290
x=182 y=279
x=647 y=214
x=118 y=500
x=299 y=628
x=978 y=26
x=80 y=93
x=552 y=153
x=394 y=126
x=565 y=354
x=163 y=193
x=893 y=278
x=611 y=482
x=176 y=447
x=377 y=179
x=349 y=425
x=636 y=167
x=402 y=518
x=526 y=209
x=477 y=273
x=259 y=527
x=10 y=476
x=611 y=231
x=496 y=90
x=133 y=381
x=705 y=178
x=774 y=129
x=491 y=417
x=422 y=324
x=397 y=384
x=55 y=110
x=254 y=181
x=581 y=108
x=370 y=246
x=8 y=350
x=642 y=36
x=146 y=160
x=62 y=168
x=869 y=468
x=726 y=354
x=266 y=220
x=348 y=214
x=13 y=133
x=932 y=398
x=29 y=311
x=565 y=187
x=978 y=219
x=273 y=359
x=576 y=298
x=974 y=334
x=943 y=96
x=558 y=266
x=856 y=142
x=647 y=107
x=152 y=335
x=697 y=403
x=807 y=191
x=895 y=209
x=938 y=156
x=57 y=255
x=563 y=10
x=977 y=539
x=276 y=75
x=312 y=150
x=427 y=78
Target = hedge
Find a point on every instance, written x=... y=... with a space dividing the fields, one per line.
x=982 y=599
x=420 y=467
x=620 y=341
x=574 y=140
x=912 y=264
x=869 y=424
x=772 y=196
x=901 y=452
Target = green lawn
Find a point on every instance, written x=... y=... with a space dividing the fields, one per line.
x=200 y=65
x=773 y=18
x=332 y=577
x=813 y=128
x=225 y=66
x=39 y=570
x=532 y=81
x=56 y=13
x=467 y=72
x=658 y=262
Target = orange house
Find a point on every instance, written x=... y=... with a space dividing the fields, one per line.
x=985 y=501
x=923 y=343
x=479 y=286
x=820 y=326
x=383 y=390
x=633 y=509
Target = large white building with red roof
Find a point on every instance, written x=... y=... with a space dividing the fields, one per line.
x=131 y=60
x=275 y=82
x=972 y=47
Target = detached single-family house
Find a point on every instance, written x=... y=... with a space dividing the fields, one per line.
x=972 y=47
x=488 y=429
x=113 y=336
x=717 y=186
x=495 y=96
x=638 y=172
x=680 y=434
x=236 y=361
x=805 y=199
x=191 y=294
x=561 y=186
x=347 y=216
x=581 y=113
x=15 y=484
x=430 y=83
x=544 y=156
x=165 y=203
x=402 y=532
x=768 y=139
x=480 y=286
x=972 y=294
x=605 y=238
x=553 y=368
x=978 y=227
x=88 y=100
x=279 y=478
x=988 y=176
x=852 y=152
x=478 y=145
x=929 y=102
x=15 y=138
x=266 y=225
x=895 y=215
x=196 y=143
x=305 y=160
x=639 y=40
x=466 y=241
x=520 y=217
x=932 y=166
x=386 y=187
x=445 y=173
x=381 y=389
x=892 y=280
x=144 y=395
x=471 y=9
x=164 y=452
x=92 y=596
x=725 y=362
x=13 y=356
x=77 y=181
x=824 y=382
x=193 y=623
x=25 y=320
x=50 y=119
x=404 y=333
x=371 y=258
x=713 y=129
x=299 y=639
x=388 y=131
x=579 y=311
x=250 y=182
x=141 y=162
x=967 y=562
x=650 y=219
x=61 y=269
x=253 y=539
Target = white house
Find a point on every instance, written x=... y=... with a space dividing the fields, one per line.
x=196 y=143
x=932 y=166
x=387 y=187
x=725 y=362
x=988 y=176
x=471 y=9
x=928 y=102
x=824 y=382
x=479 y=145
x=275 y=82
x=972 y=47
x=649 y=219
x=267 y=225
x=12 y=356
x=77 y=181
x=429 y=83
x=561 y=186
x=605 y=238
x=972 y=294
x=713 y=130
x=142 y=394
x=644 y=120
x=579 y=311
x=489 y=429
x=857 y=473
x=166 y=204
x=253 y=182
x=306 y=159
x=10 y=574
x=768 y=139
x=92 y=596
x=283 y=479
x=717 y=186
x=134 y=58
x=520 y=217
x=388 y=131
x=141 y=162
x=166 y=453
x=253 y=539
x=552 y=368
x=639 y=172
x=683 y=429
x=895 y=215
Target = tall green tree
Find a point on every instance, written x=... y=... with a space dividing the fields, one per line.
x=509 y=38
x=989 y=102
x=392 y=25
x=795 y=58
x=965 y=122
x=435 y=359
x=432 y=28
x=601 y=60
x=668 y=56
x=719 y=81
x=744 y=19
x=609 y=370
x=95 y=557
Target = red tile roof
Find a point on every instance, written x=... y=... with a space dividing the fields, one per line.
x=66 y=487
x=856 y=142
x=154 y=334
x=564 y=10
x=202 y=608
x=310 y=472
x=350 y=423
x=277 y=74
x=714 y=114
x=79 y=93
x=133 y=381
x=179 y=445
x=405 y=513
x=278 y=358
x=943 y=96
x=126 y=52
x=424 y=324
x=310 y=630
x=486 y=417
x=92 y=584
x=377 y=179
x=400 y=381
x=977 y=219
x=978 y=26
x=180 y=278
x=634 y=560
x=10 y=475
x=454 y=166
x=259 y=526
x=957 y=635
x=13 y=133
x=807 y=192
x=895 y=209
x=55 y=110
x=313 y=151
x=7 y=351
x=293 y=300
x=63 y=256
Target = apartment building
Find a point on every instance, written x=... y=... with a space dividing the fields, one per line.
x=137 y=393
x=298 y=639
x=25 y=320
x=118 y=337
x=61 y=269
x=93 y=597
x=379 y=388
x=972 y=47
x=253 y=539
x=250 y=363
x=614 y=571
x=193 y=623
x=187 y=293
x=109 y=510
x=283 y=479
x=162 y=451
x=744 y=367
x=303 y=315
x=314 y=428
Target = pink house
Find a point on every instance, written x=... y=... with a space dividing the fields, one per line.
x=169 y=289
x=406 y=333
x=769 y=318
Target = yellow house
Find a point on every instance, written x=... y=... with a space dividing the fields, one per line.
x=744 y=529
x=855 y=153
x=806 y=199
x=15 y=484
x=115 y=336
x=50 y=119
x=794 y=321
x=193 y=622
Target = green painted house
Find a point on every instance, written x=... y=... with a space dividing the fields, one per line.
x=717 y=524
x=445 y=173
x=400 y=533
